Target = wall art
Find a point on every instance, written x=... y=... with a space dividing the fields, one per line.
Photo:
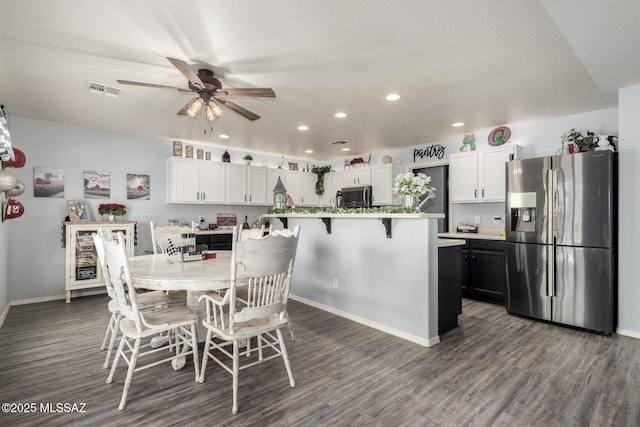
x=138 y=187
x=97 y=185
x=48 y=182
x=435 y=150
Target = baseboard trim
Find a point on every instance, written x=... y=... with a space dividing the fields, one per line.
x=384 y=328
x=627 y=333
x=36 y=300
x=4 y=314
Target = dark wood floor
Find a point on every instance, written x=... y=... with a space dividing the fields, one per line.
x=495 y=369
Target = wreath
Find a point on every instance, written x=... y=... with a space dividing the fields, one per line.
x=320 y=171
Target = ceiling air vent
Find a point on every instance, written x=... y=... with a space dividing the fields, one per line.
x=100 y=89
x=339 y=143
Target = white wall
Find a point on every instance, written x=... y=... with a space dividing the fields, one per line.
x=36 y=258
x=629 y=211
x=4 y=266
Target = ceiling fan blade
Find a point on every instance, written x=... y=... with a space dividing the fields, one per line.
x=128 y=82
x=259 y=92
x=185 y=69
x=238 y=109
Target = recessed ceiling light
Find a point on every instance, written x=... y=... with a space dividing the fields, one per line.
x=457 y=124
x=303 y=127
x=346 y=149
x=308 y=151
x=223 y=136
x=340 y=115
x=392 y=97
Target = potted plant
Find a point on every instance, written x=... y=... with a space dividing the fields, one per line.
x=112 y=210
x=247 y=159
x=577 y=142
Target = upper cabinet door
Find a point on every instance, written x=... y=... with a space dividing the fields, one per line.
x=257 y=185
x=357 y=177
x=463 y=177
x=213 y=178
x=308 y=196
x=492 y=173
x=183 y=180
x=236 y=184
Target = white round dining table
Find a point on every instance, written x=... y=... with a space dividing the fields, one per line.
x=155 y=272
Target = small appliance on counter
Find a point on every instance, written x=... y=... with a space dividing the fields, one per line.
x=467 y=227
x=226 y=220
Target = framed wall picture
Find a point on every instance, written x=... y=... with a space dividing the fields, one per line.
x=293 y=166
x=97 y=185
x=48 y=182
x=138 y=187
x=78 y=210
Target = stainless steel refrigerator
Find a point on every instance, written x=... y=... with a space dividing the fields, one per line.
x=561 y=239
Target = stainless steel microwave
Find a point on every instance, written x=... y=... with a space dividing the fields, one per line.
x=356 y=197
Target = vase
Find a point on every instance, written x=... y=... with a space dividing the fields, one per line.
x=111 y=217
x=411 y=202
x=574 y=148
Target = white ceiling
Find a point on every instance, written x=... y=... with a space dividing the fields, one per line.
x=484 y=62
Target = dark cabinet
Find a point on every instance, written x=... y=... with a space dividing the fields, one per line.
x=449 y=280
x=483 y=271
x=215 y=242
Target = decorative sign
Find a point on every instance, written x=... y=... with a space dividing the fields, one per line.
x=435 y=150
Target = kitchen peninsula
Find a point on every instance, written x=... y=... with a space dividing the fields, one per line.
x=377 y=269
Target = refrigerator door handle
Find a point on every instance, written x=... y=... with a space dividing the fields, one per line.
x=551 y=274
x=550 y=208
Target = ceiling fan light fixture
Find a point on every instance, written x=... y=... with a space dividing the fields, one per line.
x=213 y=111
x=194 y=107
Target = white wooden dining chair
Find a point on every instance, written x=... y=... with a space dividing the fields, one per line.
x=250 y=233
x=137 y=325
x=160 y=236
x=268 y=264
x=152 y=300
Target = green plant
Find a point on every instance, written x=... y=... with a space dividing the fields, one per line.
x=586 y=142
x=248 y=157
x=320 y=171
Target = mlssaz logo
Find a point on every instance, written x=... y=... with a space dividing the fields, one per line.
x=435 y=150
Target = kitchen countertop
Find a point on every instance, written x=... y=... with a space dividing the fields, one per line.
x=445 y=243
x=484 y=236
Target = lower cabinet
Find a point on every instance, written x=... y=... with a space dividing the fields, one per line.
x=449 y=279
x=82 y=268
x=483 y=270
x=215 y=241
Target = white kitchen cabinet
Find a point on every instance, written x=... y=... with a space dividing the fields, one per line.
x=301 y=186
x=246 y=184
x=292 y=184
x=479 y=176
x=195 y=181
x=82 y=268
x=308 y=196
x=382 y=180
x=332 y=183
x=356 y=177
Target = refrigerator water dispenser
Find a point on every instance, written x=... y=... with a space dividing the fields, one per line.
x=523 y=219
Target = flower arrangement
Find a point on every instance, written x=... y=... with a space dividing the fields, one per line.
x=112 y=209
x=412 y=185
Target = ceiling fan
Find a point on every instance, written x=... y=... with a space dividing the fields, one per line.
x=210 y=93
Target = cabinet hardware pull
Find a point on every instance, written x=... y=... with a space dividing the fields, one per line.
x=204 y=195
x=483 y=193
x=475 y=193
